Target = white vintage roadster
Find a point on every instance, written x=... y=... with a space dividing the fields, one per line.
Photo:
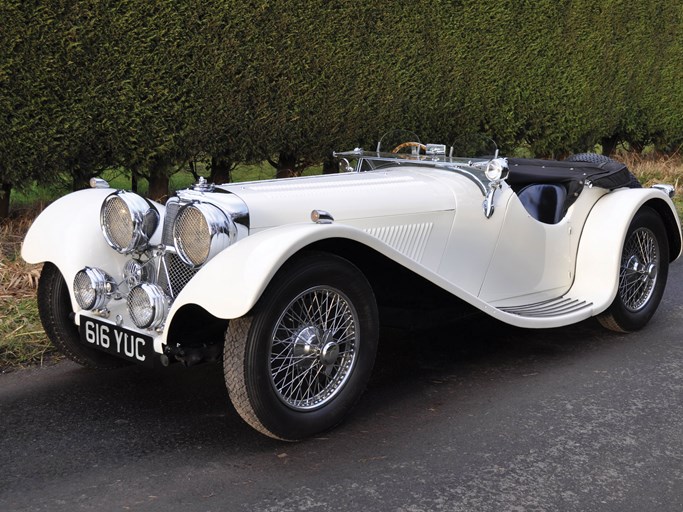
x=288 y=280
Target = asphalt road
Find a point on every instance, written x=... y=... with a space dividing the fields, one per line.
x=480 y=417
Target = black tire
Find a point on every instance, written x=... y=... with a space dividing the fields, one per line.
x=54 y=308
x=643 y=273
x=595 y=158
x=298 y=363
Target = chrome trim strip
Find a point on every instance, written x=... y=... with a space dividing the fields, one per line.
x=549 y=308
x=669 y=190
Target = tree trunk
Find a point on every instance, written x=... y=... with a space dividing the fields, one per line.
x=134 y=181
x=286 y=165
x=158 y=182
x=330 y=165
x=221 y=169
x=4 y=200
x=609 y=144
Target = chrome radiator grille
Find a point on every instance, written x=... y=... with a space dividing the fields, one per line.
x=172 y=208
x=174 y=274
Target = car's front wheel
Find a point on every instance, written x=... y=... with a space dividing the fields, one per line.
x=642 y=274
x=54 y=308
x=301 y=359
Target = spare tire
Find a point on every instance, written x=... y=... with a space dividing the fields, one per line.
x=595 y=158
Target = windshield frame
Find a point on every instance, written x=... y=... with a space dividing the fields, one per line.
x=471 y=168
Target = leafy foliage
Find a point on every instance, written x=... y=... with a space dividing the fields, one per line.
x=150 y=86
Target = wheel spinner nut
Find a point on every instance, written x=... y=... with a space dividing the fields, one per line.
x=330 y=353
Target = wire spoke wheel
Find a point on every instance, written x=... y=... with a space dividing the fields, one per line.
x=298 y=363
x=643 y=273
x=313 y=349
x=639 y=269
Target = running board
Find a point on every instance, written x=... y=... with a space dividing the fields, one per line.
x=549 y=308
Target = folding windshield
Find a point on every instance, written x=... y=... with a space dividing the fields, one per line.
x=470 y=156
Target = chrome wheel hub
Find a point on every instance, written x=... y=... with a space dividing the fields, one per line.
x=313 y=348
x=329 y=353
x=305 y=346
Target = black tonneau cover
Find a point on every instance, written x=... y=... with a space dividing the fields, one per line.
x=609 y=175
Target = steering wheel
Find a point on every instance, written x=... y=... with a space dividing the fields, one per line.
x=409 y=145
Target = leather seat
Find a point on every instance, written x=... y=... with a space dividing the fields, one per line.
x=544 y=201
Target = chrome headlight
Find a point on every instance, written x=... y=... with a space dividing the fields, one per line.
x=497 y=169
x=148 y=305
x=201 y=231
x=93 y=288
x=128 y=221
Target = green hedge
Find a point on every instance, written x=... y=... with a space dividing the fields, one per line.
x=150 y=86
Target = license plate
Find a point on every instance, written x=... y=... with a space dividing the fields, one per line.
x=117 y=341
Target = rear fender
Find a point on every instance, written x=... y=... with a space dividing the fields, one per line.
x=597 y=265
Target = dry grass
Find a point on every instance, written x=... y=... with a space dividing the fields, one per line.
x=652 y=169
x=17 y=278
x=22 y=339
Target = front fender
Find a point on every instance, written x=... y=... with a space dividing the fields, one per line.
x=63 y=228
x=231 y=283
x=599 y=256
x=68 y=234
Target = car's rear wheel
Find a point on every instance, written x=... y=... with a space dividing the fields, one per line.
x=301 y=359
x=642 y=274
x=54 y=308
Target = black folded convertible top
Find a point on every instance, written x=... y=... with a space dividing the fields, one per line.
x=609 y=175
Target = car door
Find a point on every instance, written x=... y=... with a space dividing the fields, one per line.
x=532 y=260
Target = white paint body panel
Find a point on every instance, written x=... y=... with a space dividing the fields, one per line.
x=348 y=197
